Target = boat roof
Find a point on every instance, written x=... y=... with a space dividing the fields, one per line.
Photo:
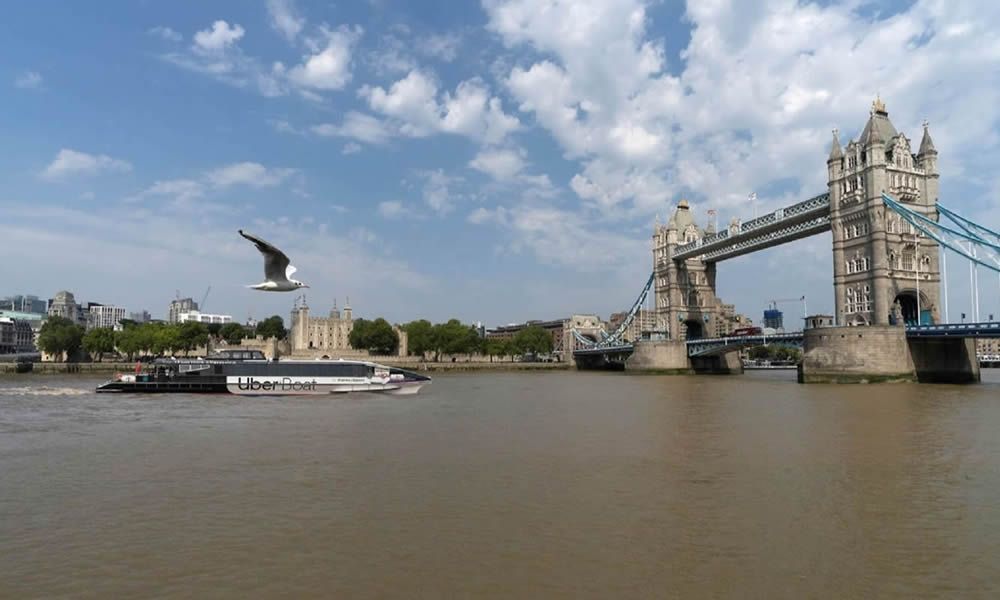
x=227 y=360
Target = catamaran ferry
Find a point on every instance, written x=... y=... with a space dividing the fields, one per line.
x=248 y=373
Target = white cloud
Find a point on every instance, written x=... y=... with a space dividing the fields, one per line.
x=328 y=68
x=285 y=18
x=180 y=189
x=359 y=126
x=350 y=148
x=283 y=126
x=72 y=162
x=565 y=238
x=753 y=103
x=500 y=164
x=248 y=173
x=182 y=194
x=29 y=80
x=437 y=190
x=470 y=111
x=392 y=209
x=484 y=215
x=443 y=46
x=219 y=37
x=165 y=33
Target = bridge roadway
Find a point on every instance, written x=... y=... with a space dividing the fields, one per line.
x=794 y=222
x=723 y=345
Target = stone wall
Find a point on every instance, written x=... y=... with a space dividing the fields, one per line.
x=662 y=356
x=856 y=354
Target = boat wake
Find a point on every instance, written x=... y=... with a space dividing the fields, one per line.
x=42 y=391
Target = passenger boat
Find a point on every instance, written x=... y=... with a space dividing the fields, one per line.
x=249 y=373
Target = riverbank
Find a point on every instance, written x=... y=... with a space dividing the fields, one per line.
x=52 y=368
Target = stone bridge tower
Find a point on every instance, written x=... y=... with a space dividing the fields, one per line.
x=879 y=260
x=686 y=305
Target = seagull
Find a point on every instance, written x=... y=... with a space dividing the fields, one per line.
x=277 y=271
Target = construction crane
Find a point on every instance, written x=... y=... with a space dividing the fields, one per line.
x=201 y=306
x=802 y=299
x=774 y=303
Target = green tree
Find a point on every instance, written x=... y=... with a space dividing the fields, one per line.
x=60 y=336
x=533 y=340
x=360 y=330
x=419 y=336
x=98 y=341
x=493 y=347
x=127 y=341
x=759 y=353
x=164 y=339
x=190 y=335
x=214 y=329
x=272 y=327
x=507 y=348
x=453 y=338
x=376 y=336
x=233 y=333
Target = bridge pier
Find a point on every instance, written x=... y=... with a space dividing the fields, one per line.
x=659 y=356
x=718 y=364
x=856 y=355
x=945 y=360
x=884 y=353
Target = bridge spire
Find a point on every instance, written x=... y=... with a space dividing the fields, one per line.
x=836 y=152
x=926 y=144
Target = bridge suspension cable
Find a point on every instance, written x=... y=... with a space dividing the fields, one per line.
x=614 y=338
x=974 y=247
x=977 y=243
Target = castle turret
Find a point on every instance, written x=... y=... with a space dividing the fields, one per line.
x=927 y=155
x=347 y=309
x=834 y=163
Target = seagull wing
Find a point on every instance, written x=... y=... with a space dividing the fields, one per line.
x=275 y=261
x=289 y=271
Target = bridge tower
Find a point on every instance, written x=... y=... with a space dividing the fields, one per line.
x=686 y=305
x=878 y=259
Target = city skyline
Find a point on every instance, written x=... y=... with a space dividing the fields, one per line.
x=493 y=162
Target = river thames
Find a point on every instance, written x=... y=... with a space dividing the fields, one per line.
x=505 y=485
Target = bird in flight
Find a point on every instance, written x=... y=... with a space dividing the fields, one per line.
x=277 y=271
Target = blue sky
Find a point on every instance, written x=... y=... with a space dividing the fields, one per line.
x=497 y=161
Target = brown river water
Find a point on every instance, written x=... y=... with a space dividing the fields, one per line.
x=505 y=485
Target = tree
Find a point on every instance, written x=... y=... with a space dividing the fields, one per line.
x=60 y=336
x=128 y=340
x=214 y=329
x=98 y=341
x=453 y=338
x=533 y=340
x=164 y=338
x=233 y=333
x=272 y=327
x=494 y=347
x=190 y=335
x=376 y=336
x=420 y=337
x=507 y=349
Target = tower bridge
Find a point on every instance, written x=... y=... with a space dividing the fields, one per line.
x=881 y=206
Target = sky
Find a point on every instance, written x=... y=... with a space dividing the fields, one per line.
x=496 y=161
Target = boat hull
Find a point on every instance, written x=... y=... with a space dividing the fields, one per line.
x=267 y=378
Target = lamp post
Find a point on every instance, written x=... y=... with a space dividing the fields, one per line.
x=944 y=281
x=916 y=246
